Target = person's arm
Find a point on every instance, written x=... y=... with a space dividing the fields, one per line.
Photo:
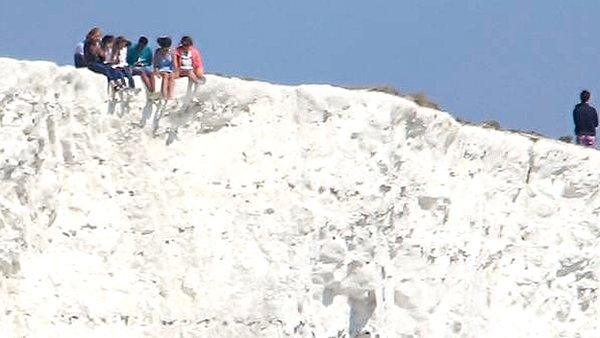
x=97 y=50
x=79 y=49
x=198 y=58
x=575 y=118
x=114 y=56
x=176 y=61
x=595 y=118
x=146 y=57
x=79 y=61
x=131 y=56
x=155 y=62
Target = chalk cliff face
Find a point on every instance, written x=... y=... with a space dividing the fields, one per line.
x=277 y=211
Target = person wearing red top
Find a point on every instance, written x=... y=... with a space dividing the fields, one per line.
x=188 y=61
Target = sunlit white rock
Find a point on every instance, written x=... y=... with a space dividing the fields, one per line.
x=309 y=211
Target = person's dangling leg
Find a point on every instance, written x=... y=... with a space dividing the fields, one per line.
x=129 y=75
x=164 y=85
x=190 y=86
x=121 y=77
x=191 y=76
x=107 y=71
x=145 y=80
x=101 y=68
x=171 y=86
x=147 y=77
x=151 y=80
x=115 y=76
x=193 y=81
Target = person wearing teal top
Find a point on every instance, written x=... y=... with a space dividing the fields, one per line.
x=139 y=57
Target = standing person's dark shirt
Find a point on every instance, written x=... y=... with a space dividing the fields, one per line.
x=586 y=119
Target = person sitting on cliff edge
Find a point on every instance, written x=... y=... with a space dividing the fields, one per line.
x=187 y=62
x=139 y=57
x=586 y=121
x=94 y=57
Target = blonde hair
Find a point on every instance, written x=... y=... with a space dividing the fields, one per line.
x=94 y=31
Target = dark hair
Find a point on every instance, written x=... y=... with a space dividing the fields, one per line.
x=122 y=39
x=186 y=41
x=164 y=41
x=143 y=40
x=107 y=39
x=585 y=96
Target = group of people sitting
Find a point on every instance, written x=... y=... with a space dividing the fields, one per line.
x=119 y=60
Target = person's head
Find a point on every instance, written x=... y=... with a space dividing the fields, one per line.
x=164 y=42
x=142 y=41
x=186 y=42
x=94 y=34
x=121 y=42
x=108 y=40
x=585 y=96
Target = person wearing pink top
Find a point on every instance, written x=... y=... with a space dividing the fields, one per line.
x=188 y=61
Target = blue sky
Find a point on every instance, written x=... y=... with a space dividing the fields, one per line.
x=521 y=63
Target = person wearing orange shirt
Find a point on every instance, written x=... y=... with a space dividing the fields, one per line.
x=188 y=61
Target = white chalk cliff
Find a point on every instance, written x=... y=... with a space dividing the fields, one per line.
x=279 y=211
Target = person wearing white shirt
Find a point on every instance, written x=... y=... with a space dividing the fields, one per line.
x=119 y=61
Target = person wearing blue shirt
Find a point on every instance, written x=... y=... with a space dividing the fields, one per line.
x=163 y=66
x=139 y=58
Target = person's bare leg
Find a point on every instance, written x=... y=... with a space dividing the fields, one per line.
x=152 y=83
x=198 y=78
x=171 y=87
x=181 y=74
x=190 y=87
x=146 y=81
x=192 y=76
x=164 y=86
x=199 y=75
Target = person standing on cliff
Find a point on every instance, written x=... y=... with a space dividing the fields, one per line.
x=586 y=121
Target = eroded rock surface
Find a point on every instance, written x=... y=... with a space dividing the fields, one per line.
x=277 y=211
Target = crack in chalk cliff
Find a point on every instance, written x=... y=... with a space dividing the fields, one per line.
x=531 y=163
x=570 y=267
